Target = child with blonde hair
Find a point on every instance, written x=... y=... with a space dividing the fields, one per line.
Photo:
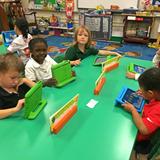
x=12 y=87
x=82 y=47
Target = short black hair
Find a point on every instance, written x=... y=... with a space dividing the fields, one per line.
x=34 y=41
x=22 y=25
x=150 y=79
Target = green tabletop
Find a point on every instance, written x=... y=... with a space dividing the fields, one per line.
x=3 y=49
x=105 y=132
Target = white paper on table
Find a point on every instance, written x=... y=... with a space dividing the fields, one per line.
x=92 y=103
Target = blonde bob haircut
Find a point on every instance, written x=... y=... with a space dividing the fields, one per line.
x=82 y=28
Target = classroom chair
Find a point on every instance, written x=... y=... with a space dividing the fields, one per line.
x=155 y=152
x=15 y=10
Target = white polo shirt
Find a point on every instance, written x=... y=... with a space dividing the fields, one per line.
x=36 y=71
x=18 y=45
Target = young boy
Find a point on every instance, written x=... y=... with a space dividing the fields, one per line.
x=39 y=65
x=12 y=87
x=149 y=82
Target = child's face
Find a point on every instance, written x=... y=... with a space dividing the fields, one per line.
x=82 y=37
x=16 y=30
x=9 y=79
x=39 y=52
x=146 y=94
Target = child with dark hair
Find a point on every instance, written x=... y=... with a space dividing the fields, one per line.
x=20 y=44
x=150 y=121
x=12 y=86
x=82 y=47
x=39 y=65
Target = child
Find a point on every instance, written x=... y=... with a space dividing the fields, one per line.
x=156 y=62
x=150 y=121
x=20 y=44
x=39 y=65
x=12 y=87
x=82 y=47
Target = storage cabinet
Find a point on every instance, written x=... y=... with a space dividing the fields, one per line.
x=137 y=29
x=99 y=25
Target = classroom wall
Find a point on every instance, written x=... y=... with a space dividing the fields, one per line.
x=42 y=13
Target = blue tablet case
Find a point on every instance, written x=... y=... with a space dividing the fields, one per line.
x=8 y=37
x=132 y=97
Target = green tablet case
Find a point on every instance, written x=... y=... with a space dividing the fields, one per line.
x=33 y=101
x=62 y=72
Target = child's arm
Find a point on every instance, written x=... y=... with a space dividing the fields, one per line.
x=30 y=73
x=131 y=75
x=7 y=112
x=49 y=82
x=27 y=81
x=104 y=52
x=156 y=59
x=137 y=119
x=76 y=62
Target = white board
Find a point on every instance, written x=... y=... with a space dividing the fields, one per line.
x=107 y=3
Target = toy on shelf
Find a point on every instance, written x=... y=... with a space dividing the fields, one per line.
x=33 y=101
x=62 y=72
x=53 y=20
x=128 y=95
x=110 y=64
x=8 y=37
x=99 y=83
x=63 y=115
x=134 y=68
x=100 y=9
x=59 y=5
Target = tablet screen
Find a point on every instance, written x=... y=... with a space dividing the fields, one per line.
x=100 y=59
x=139 y=69
x=133 y=98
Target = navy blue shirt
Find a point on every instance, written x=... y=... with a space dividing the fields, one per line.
x=9 y=100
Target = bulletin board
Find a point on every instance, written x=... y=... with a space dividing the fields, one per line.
x=123 y=4
x=40 y=1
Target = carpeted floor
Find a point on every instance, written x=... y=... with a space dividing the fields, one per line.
x=60 y=44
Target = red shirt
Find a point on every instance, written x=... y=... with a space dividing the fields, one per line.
x=151 y=118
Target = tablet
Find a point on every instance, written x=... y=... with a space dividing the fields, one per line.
x=136 y=68
x=99 y=60
x=128 y=95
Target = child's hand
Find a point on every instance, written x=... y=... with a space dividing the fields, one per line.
x=114 y=53
x=130 y=75
x=76 y=62
x=19 y=105
x=73 y=73
x=158 y=52
x=139 y=92
x=128 y=107
x=50 y=82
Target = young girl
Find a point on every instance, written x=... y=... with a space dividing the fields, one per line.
x=12 y=87
x=39 y=65
x=82 y=47
x=20 y=44
x=149 y=122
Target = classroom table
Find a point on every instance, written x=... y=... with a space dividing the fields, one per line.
x=105 y=132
